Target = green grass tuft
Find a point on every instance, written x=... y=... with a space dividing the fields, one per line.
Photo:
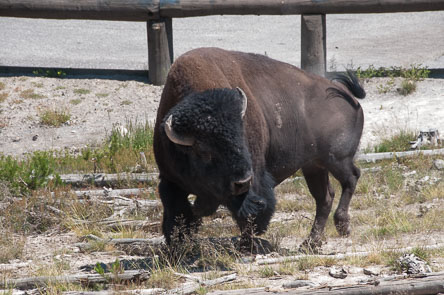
x=81 y=91
x=397 y=143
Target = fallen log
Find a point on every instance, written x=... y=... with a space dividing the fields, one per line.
x=12 y=266
x=338 y=256
x=113 y=193
x=84 y=279
x=153 y=291
x=154 y=242
x=102 y=179
x=422 y=286
x=191 y=287
x=381 y=156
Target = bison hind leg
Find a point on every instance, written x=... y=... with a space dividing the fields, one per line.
x=347 y=174
x=323 y=193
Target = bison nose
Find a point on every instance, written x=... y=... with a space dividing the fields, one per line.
x=241 y=186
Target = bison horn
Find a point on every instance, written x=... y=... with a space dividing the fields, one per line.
x=174 y=137
x=244 y=101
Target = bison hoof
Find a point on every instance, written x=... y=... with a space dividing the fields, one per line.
x=255 y=246
x=311 y=246
x=343 y=228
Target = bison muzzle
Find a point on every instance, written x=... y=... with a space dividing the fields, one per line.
x=231 y=126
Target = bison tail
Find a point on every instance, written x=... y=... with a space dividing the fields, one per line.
x=350 y=81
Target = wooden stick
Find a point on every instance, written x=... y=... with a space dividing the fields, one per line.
x=153 y=291
x=12 y=266
x=102 y=179
x=191 y=287
x=35 y=282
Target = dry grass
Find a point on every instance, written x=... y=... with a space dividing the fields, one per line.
x=3 y=96
x=30 y=94
x=54 y=117
x=11 y=245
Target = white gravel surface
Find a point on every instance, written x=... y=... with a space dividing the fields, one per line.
x=111 y=102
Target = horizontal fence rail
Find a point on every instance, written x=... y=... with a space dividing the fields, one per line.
x=158 y=15
x=143 y=10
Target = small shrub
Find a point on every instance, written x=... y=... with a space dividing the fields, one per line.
x=2 y=85
x=30 y=173
x=397 y=143
x=407 y=87
x=53 y=117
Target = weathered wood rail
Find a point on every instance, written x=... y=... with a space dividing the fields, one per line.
x=159 y=13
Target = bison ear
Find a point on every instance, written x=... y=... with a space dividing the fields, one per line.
x=244 y=101
x=174 y=137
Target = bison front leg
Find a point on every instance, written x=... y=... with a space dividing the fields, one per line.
x=253 y=213
x=319 y=186
x=178 y=217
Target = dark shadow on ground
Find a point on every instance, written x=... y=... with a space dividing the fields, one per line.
x=74 y=73
x=197 y=256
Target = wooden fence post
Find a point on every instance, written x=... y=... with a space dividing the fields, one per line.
x=313 y=43
x=160 y=49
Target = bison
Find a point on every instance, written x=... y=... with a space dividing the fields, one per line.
x=231 y=126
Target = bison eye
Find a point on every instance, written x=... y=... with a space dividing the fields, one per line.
x=206 y=156
x=203 y=152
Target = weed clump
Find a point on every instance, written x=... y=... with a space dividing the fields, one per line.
x=397 y=143
x=30 y=94
x=416 y=72
x=407 y=87
x=54 y=117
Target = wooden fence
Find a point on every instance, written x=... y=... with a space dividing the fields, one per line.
x=158 y=15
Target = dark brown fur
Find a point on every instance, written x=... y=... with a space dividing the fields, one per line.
x=294 y=120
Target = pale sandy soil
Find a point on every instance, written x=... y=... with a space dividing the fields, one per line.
x=112 y=102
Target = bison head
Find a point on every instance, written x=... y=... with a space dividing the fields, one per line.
x=207 y=130
x=206 y=138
